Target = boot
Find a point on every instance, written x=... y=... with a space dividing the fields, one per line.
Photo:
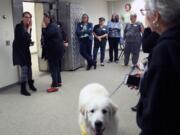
x=95 y=64
x=24 y=90
x=89 y=66
x=31 y=85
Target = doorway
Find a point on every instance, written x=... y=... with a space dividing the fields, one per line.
x=37 y=10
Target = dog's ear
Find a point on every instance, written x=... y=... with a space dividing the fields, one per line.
x=114 y=109
x=82 y=110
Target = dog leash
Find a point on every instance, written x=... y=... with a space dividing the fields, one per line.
x=122 y=83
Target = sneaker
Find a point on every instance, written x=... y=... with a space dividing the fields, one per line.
x=52 y=89
x=102 y=64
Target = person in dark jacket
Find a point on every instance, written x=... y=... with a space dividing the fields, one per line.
x=84 y=33
x=53 y=47
x=149 y=41
x=64 y=35
x=100 y=32
x=21 y=52
x=158 y=107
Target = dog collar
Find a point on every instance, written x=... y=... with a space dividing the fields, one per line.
x=83 y=129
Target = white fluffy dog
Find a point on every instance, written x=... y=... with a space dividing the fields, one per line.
x=96 y=111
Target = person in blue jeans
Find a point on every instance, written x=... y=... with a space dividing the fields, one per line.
x=84 y=33
x=100 y=32
x=53 y=50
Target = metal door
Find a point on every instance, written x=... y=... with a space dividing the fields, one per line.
x=69 y=15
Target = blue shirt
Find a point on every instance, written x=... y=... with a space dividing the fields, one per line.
x=114 y=29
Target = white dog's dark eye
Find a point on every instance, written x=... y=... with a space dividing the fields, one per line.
x=104 y=111
x=92 y=111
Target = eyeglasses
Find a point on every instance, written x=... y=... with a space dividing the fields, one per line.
x=144 y=11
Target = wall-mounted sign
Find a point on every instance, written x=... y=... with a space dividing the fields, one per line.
x=127 y=7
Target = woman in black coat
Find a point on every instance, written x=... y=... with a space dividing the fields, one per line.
x=21 y=52
x=53 y=50
x=158 y=108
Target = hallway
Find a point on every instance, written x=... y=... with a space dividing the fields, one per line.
x=56 y=113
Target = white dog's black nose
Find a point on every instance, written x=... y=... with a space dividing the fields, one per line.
x=98 y=124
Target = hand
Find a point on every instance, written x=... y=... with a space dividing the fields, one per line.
x=30 y=24
x=43 y=25
x=139 y=75
x=66 y=44
x=99 y=38
x=107 y=37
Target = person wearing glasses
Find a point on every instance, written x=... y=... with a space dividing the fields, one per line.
x=21 y=52
x=158 y=107
x=132 y=38
x=84 y=33
x=100 y=38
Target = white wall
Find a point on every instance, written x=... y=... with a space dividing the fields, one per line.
x=95 y=9
x=8 y=73
x=118 y=7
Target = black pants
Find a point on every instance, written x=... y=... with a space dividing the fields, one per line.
x=86 y=49
x=102 y=46
x=113 y=48
x=55 y=70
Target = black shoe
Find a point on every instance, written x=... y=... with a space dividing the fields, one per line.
x=54 y=85
x=95 y=65
x=134 y=109
x=88 y=67
x=109 y=61
x=24 y=90
x=59 y=84
x=31 y=85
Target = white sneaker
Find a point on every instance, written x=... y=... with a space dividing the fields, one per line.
x=102 y=64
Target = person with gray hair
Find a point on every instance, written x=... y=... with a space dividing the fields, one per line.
x=132 y=38
x=158 y=108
